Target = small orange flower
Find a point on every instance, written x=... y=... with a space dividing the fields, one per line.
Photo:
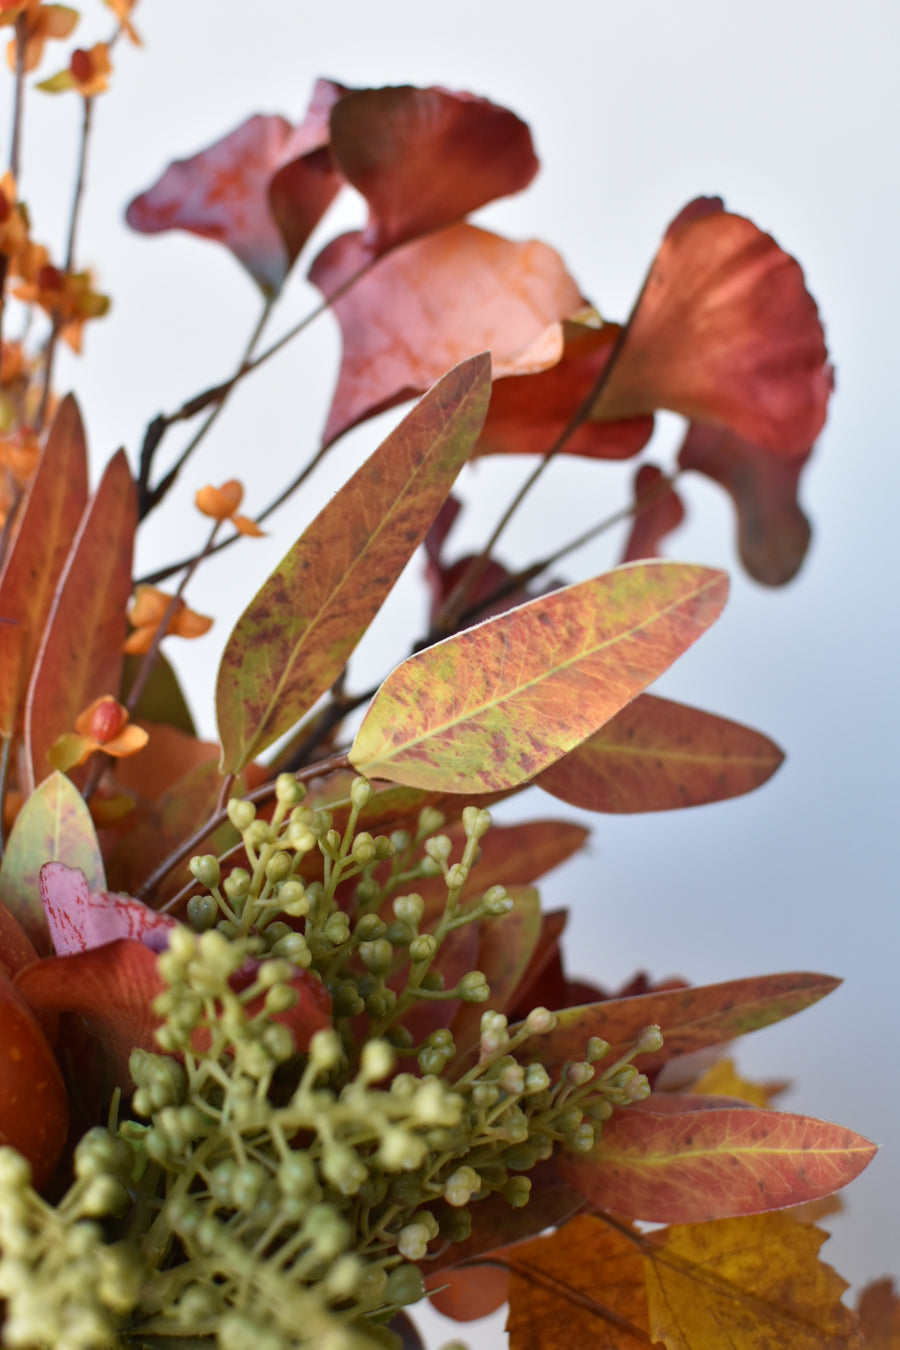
x=43 y=23
x=222 y=504
x=18 y=459
x=146 y=613
x=88 y=72
x=68 y=297
x=13 y=221
x=104 y=725
x=122 y=10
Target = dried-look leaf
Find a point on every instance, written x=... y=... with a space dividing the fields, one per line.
x=298 y=632
x=725 y=332
x=494 y=705
x=54 y=824
x=45 y=527
x=773 y=532
x=434 y=302
x=713 y=1163
x=423 y=158
x=656 y=755
x=878 y=1307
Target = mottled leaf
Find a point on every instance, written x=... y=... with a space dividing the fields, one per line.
x=656 y=755
x=34 y=1109
x=432 y=303
x=658 y=511
x=80 y=656
x=773 y=533
x=298 y=632
x=79 y=918
x=45 y=527
x=496 y=704
x=423 y=158
x=690 y=1166
x=53 y=825
x=725 y=332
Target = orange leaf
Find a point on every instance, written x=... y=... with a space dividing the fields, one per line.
x=298 y=632
x=724 y=332
x=690 y=1166
x=690 y=1018
x=496 y=704
x=80 y=656
x=750 y=1284
x=773 y=532
x=423 y=158
x=656 y=755
x=529 y=412
x=432 y=303
x=34 y=1108
x=45 y=526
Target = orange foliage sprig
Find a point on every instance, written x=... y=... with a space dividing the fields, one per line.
x=330 y=1057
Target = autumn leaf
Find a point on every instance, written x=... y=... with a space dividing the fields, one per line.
x=658 y=510
x=773 y=533
x=34 y=1110
x=54 y=824
x=80 y=918
x=656 y=755
x=689 y=1166
x=878 y=1307
x=45 y=527
x=298 y=632
x=496 y=704
x=691 y=1018
x=424 y=158
x=724 y=332
x=751 y=1284
x=434 y=302
x=80 y=656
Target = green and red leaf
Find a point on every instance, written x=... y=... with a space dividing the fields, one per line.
x=298 y=632
x=496 y=704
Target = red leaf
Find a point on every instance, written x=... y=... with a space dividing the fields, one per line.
x=80 y=918
x=529 y=412
x=34 y=1110
x=434 y=302
x=656 y=755
x=687 y=1167
x=80 y=656
x=45 y=526
x=16 y=949
x=424 y=158
x=658 y=511
x=725 y=332
x=773 y=532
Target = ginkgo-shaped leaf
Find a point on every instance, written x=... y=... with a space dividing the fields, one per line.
x=656 y=755
x=495 y=704
x=423 y=158
x=658 y=510
x=45 y=527
x=432 y=303
x=773 y=532
x=298 y=632
x=690 y=1165
x=725 y=331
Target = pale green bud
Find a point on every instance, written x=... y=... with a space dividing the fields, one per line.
x=279 y=867
x=325 y=1049
x=457 y=876
x=409 y=909
x=292 y=899
x=377 y=956
x=337 y=928
x=237 y=883
x=370 y=927
x=241 y=814
x=474 y=988
x=288 y=792
x=423 y=948
x=376 y=1061
x=476 y=821
x=405 y=1285
x=597 y=1048
x=438 y=848
x=496 y=901
x=540 y=1021
x=205 y=869
x=363 y=851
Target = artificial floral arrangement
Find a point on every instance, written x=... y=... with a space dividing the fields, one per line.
x=286 y=1044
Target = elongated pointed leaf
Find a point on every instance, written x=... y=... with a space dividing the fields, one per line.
x=47 y=521
x=498 y=703
x=656 y=755
x=296 y=635
x=53 y=825
x=80 y=657
x=690 y=1019
x=686 y=1167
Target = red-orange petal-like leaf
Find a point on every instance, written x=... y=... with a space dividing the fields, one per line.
x=658 y=511
x=80 y=656
x=529 y=412
x=496 y=704
x=656 y=755
x=45 y=527
x=690 y=1018
x=773 y=532
x=432 y=303
x=34 y=1108
x=296 y=635
x=725 y=332
x=424 y=158
x=687 y=1167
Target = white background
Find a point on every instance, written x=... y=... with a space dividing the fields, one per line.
x=791 y=113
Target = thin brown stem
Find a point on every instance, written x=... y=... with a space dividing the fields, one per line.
x=5 y=756
x=15 y=145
